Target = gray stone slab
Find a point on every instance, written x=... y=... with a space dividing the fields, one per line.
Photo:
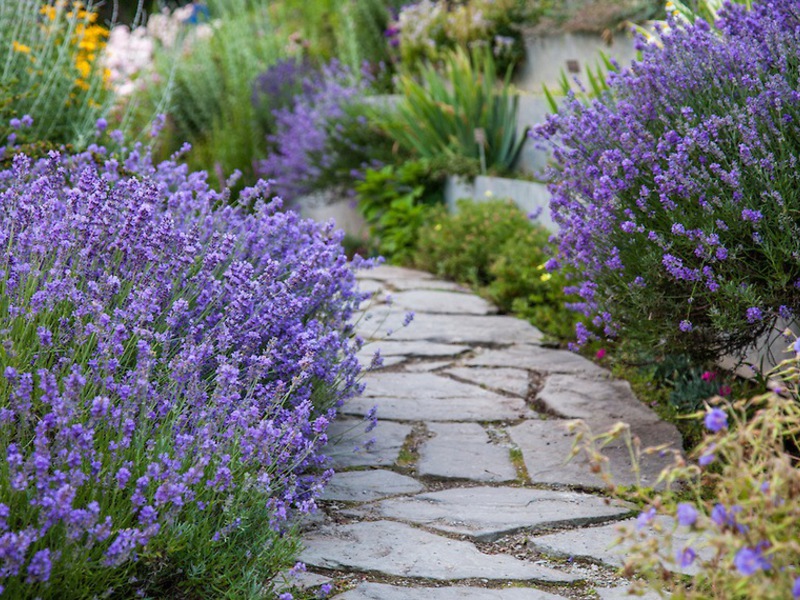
x=488 y=513
x=448 y=329
x=427 y=366
x=604 y=402
x=418 y=349
x=428 y=284
x=513 y=381
x=391 y=272
x=303 y=580
x=403 y=551
x=600 y=543
x=363 y=486
x=348 y=440
x=546 y=444
x=442 y=302
x=464 y=451
x=426 y=386
x=621 y=593
x=425 y=408
x=383 y=591
x=537 y=358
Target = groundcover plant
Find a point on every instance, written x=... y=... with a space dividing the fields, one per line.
x=169 y=365
x=677 y=191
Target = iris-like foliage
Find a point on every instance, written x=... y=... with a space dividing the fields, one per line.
x=169 y=365
x=677 y=192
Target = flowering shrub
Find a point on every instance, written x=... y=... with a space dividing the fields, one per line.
x=169 y=366
x=731 y=513
x=423 y=30
x=301 y=134
x=674 y=193
x=51 y=70
x=495 y=247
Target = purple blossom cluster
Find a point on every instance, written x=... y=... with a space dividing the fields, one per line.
x=298 y=155
x=676 y=193
x=163 y=351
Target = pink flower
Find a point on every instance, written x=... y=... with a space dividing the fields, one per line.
x=600 y=354
x=725 y=390
x=708 y=376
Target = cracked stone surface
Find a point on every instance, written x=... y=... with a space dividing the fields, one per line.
x=463 y=470
x=537 y=358
x=464 y=451
x=449 y=329
x=546 y=444
x=465 y=408
x=506 y=379
x=382 y=591
x=349 y=446
x=444 y=302
x=487 y=513
x=363 y=486
x=400 y=550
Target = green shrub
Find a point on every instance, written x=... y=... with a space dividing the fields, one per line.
x=395 y=202
x=494 y=247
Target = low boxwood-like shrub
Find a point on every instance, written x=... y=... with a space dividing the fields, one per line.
x=675 y=192
x=494 y=247
x=169 y=366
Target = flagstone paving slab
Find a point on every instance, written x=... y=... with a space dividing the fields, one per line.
x=382 y=591
x=464 y=451
x=439 y=301
x=512 y=381
x=465 y=408
x=448 y=329
x=423 y=386
x=462 y=374
x=621 y=593
x=348 y=439
x=401 y=550
x=546 y=444
x=415 y=349
x=537 y=358
x=488 y=513
x=599 y=543
x=363 y=486
x=579 y=398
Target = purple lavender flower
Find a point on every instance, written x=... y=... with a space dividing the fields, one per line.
x=796 y=588
x=195 y=331
x=677 y=178
x=748 y=561
x=716 y=420
x=685 y=557
x=645 y=518
x=687 y=514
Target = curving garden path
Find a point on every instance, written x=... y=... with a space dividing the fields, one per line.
x=465 y=493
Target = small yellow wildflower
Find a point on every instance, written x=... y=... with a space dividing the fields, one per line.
x=17 y=47
x=437 y=227
x=540 y=267
x=546 y=276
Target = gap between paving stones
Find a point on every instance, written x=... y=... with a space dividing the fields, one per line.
x=462 y=374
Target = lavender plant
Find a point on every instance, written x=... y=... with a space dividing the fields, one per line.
x=170 y=363
x=675 y=192
x=299 y=145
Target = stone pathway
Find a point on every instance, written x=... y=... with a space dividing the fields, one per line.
x=465 y=494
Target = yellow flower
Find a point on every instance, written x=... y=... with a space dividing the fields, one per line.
x=545 y=277
x=540 y=267
x=437 y=227
x=17 y=47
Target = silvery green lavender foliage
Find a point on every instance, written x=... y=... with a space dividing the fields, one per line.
x=677 y=193
x=299 y=145
x=166 y=357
